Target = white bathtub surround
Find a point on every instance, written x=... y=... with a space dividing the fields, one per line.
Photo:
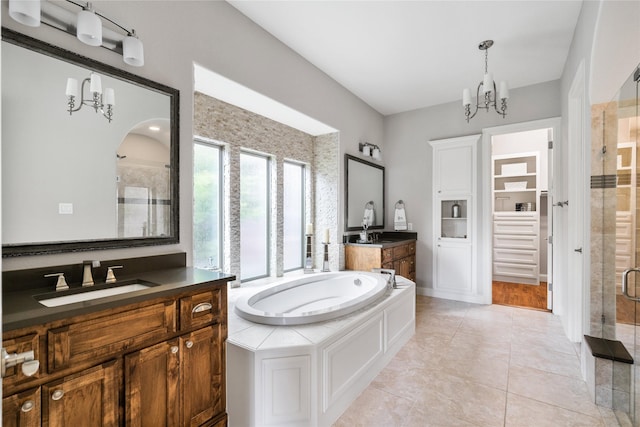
x=307 y=375
x=312 y=299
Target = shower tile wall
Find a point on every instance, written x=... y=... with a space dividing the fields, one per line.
x=603 y=220
x=239 y=128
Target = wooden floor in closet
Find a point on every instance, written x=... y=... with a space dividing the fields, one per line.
x=520 y=295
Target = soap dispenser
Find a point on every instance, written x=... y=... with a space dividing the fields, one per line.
x=455 y=210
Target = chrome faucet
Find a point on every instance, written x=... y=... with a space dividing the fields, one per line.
x=87 y=275
x=391 y=281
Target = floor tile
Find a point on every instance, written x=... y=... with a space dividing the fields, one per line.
x=522 y=411
x=478 y=365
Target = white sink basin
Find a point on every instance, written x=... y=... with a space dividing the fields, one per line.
x=90 y=295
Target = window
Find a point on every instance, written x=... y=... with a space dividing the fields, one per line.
x=254 y=216
x=293 y=210
x=207 y=205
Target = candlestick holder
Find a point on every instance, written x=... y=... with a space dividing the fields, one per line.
x=308 y=263
x=325 y=263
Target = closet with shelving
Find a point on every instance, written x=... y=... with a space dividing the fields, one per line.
x=516 y=219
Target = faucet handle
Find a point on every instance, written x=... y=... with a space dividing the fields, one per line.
x=61 y=285
x=111 y=278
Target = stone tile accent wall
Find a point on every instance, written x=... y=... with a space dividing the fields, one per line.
x=603 y=220
x=326 y=163
x=238 y=129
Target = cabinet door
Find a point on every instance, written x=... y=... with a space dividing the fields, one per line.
x=88 y=398
x=22 y=409
x=454 y=168
x=403 y=267
x=453 y=267
x=202 y=375
x=151 y=386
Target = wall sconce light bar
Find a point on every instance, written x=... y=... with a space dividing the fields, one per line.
x=368 y=149
x=128 y=44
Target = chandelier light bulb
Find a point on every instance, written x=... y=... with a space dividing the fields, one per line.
x=504 y=90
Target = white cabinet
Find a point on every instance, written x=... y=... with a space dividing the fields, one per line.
x=516 y=221
x=454 y=166
x=454 y=219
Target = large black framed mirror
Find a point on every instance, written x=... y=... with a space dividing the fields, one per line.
x=77 y=182
x=365 y=195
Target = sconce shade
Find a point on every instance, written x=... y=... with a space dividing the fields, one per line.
x=26 y=12
x=376 y=153
x=366 y=150
x=109 y=96
x=487 y=83
x=504 y=90
x=96 y=83
x=72 y=87
x=466 y=97
x=133 y=51
x=89 y=28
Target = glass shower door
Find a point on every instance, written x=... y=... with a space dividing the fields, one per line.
x=628 y=233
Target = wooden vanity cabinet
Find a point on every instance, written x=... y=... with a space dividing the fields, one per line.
x=154 y=363
x=185 y=375
x=401 y=257
x=22 y=409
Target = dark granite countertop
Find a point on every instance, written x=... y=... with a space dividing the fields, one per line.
x=383 y=239
x=381 y=243
x=21 y=309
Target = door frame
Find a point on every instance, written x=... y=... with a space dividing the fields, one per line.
x=578 y=214
x=485 y=256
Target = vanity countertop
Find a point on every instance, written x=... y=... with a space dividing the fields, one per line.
x=384 y=239
x=20 y=309
x=382 y=243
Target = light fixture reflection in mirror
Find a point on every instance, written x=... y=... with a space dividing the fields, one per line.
x=60 y=188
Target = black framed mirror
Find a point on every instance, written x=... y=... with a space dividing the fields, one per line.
x=364 y=194
x=77 y=182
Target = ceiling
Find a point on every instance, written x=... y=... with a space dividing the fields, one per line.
x=403 y=55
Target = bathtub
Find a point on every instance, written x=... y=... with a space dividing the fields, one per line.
x=307 y=375
x=313 y=298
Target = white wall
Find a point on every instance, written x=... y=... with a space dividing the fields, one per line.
x=212 y=33
x=409 y=157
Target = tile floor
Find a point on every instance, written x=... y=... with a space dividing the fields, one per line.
x=477 y=365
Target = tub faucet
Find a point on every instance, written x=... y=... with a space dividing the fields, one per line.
x=87 y=275
x=391 y=281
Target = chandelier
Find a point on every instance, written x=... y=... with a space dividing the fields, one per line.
x=100 y=102
x=487 y=88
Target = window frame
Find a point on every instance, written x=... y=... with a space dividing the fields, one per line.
x=268 y=193
x=303 y=198
x=220 y=205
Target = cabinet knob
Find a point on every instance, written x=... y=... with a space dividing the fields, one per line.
x=174 y=349
x=57 y=394
x=189 y=344
x=27 y=406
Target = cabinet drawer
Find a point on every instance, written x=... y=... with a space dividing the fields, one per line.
x=404 y=250
x=515 y=241
x=623 y=229
x=200 y=309
x=515 y=227
x=14 y=375
x=515 y=256
x=525 y=271
x=99 y=338
x=623 y=246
